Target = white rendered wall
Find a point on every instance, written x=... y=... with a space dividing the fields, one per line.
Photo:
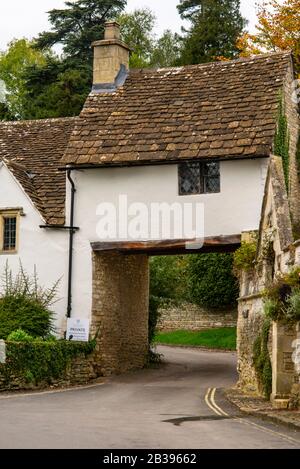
x=45 y=249
x=235 y=209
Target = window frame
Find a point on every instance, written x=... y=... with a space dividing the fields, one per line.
x=4 y=214
x=201 y=177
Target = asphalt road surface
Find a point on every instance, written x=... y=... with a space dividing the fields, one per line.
x=179 y=405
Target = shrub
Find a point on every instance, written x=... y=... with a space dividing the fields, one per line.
x=24 y=305
x=154 y=358
x=283 y=298
x=154 y=304
x=24 y=313
x=19 y=336
x=212 y=282
x=244 y=257
x=271 y=309
x=292 y=308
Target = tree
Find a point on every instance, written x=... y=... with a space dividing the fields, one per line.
x=278 y=30
x=137 y=33
x=215 y=27
x=59 y=87
x=137 y=29
x=189 y=9
x=212 y=282
x=168 y=277
x=56 y=89
x=166 y=52
x=13 y=64
x=4 y=112
x=78 y=25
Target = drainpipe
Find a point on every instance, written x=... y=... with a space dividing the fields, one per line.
x=71 y=242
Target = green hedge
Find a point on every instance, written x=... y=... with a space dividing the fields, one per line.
x=212 y=283
x=40 y=361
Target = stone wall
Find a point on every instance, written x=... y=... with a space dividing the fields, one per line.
x=80 y=371
x=250 y=320
x=284 y=372
x=192 y=317
x=120 y=311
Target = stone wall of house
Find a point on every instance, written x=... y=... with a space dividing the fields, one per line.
x=292 y=114
x=80 y=371
x=274 y=256
x=250 y=320
x=191 y=317
x=120 y=312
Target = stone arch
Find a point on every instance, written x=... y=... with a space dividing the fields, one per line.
x=120 y=298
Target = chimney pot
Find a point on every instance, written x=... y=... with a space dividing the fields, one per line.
x=112 y=30
x=109 y=55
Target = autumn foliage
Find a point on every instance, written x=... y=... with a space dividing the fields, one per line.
x=278 y=30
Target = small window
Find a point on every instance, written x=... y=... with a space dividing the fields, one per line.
x=199 y=178
x=8 y=233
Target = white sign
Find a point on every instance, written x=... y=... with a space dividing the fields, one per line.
x=2 y=351
x=78 y=330
x=296 y=354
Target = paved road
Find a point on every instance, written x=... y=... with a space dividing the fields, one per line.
x=171 y=407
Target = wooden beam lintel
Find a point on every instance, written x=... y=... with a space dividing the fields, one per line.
x=175 y=246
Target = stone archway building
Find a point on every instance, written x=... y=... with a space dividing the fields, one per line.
x=194 y=142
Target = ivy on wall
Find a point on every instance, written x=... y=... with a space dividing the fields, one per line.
x=261 y=359
x=282 y=140
x=298 y=156
x=37 y=362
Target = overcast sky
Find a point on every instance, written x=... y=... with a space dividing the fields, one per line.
x=26 y=18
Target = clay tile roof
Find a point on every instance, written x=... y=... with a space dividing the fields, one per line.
x=216 y=110
x=32 y=151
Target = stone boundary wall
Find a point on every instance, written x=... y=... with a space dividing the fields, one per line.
x=191 y=317
x=79 y=372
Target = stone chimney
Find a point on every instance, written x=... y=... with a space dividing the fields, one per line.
x=109 y=55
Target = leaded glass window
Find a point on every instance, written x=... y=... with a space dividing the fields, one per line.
x=199 y=178
x=9 y=233
x=189 y=178
x=211 y=177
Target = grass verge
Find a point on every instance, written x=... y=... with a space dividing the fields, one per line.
x=223 y=338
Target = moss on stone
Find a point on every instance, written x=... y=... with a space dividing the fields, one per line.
x=282 y=140
x=261 y=359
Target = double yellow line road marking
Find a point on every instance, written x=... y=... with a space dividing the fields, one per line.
x=211 y=403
